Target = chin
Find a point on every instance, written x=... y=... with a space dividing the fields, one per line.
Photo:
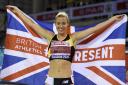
x=61 y=32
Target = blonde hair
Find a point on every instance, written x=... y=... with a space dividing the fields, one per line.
x=63 y=14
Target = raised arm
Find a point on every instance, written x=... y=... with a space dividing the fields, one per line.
x=38 y=29
x=100 y=26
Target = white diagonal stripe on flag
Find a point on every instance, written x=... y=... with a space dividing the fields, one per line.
x=90 y=75
x=111 y=75
x=29 y=74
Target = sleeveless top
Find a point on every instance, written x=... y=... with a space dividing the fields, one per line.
x=64 y=49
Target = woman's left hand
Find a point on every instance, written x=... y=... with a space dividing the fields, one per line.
x=117 y=17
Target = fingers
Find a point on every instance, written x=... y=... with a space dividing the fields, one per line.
x=121 y=17
x=10 y=7
x=118 y=17
x=14 y=9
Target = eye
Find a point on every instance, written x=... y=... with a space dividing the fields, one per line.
x=63 y=23
x=58 y=23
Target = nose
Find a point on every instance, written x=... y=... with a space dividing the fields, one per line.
x=61 y=25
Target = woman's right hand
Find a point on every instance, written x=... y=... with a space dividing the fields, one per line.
x=14 y=9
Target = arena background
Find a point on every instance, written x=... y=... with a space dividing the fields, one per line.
x=81 y=13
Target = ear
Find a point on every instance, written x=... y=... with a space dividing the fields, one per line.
x=69 y=29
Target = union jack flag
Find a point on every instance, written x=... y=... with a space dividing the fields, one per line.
x=99 y=58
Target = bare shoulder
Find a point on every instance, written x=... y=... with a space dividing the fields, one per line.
x=73 y=36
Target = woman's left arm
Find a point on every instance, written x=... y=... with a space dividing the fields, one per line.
x=100 y=26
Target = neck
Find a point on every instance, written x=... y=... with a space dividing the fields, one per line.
x=61 y=36
x=64 y=34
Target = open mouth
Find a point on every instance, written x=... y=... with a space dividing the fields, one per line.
x=61 y=29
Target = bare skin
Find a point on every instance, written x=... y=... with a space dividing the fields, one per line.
x=62 y=68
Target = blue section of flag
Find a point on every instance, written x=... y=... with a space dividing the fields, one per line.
x=81 y=80
x=45 y=25
x=12 y=23
x=83 y=28
x=36 y=79
x=10 y=60
x=119 y=33
x=118 y=71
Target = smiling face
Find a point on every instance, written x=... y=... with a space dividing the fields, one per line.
x=62 y=24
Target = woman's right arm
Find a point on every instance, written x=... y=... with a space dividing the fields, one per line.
x=38 y=29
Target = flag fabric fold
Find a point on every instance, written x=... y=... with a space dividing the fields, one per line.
x=99 y=58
